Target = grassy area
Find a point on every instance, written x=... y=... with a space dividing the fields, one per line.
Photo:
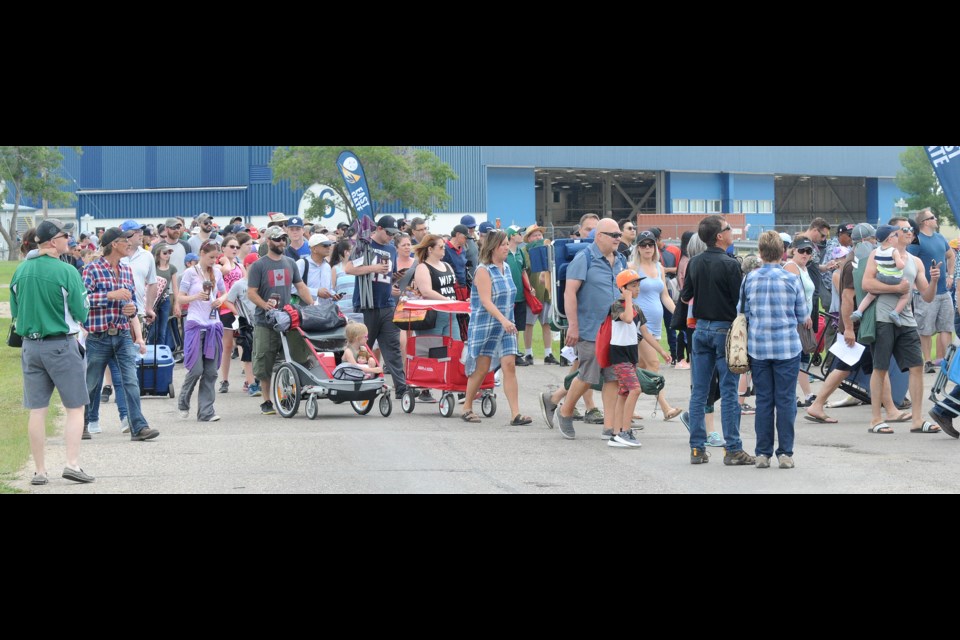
x=14 y=443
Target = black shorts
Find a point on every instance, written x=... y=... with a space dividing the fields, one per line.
x=227 y=319
x=903 y=343
x=865 y=365
x=520 y=315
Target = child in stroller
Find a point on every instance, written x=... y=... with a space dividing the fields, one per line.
x=356 y=351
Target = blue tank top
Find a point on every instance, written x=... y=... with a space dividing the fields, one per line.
x=649 y=302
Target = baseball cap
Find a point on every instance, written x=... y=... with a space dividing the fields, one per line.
x=319 y=238
x=626 y=277
x=846 y=228
x=295 y=221
x=802 y=243
x=513 y=230
x=110 y=235
x=277 y=218
x=204 y=217
x=884 y=231
x=646 y=236
x=486 y=227
x=863 y=231
x=250 y=259
x=389 y=225
x=468 y=221
x=172 y=222
x=192 y=257
x=787 y=238
x=130 y=225
x=51 y=227
x=273 y=233
x=343 y=225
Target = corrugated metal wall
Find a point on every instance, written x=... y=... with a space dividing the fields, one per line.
x=163 y=204
x=469 y=193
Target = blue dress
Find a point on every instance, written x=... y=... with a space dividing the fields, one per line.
x=649 y=302
x=486 y=336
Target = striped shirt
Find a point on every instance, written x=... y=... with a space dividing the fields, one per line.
x=775 y=305
x=100 y=280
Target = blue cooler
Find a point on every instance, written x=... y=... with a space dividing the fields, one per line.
x=155 y=371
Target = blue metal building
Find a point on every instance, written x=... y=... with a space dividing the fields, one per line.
x=521 y=185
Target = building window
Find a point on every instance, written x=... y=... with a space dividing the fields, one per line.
x=714 y=206
x=698 y=206
x=681 y=206
x=765 y=206
x=749 y=206
x=737 y=206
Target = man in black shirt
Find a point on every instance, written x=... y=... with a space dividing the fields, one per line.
x=713 y=284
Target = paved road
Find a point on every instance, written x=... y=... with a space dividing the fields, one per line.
x=425 y=453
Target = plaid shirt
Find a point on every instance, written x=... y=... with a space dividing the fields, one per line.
x=775 y=305
x=100 y=280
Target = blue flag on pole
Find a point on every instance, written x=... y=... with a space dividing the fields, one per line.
x=946 y=163
x=352 y=172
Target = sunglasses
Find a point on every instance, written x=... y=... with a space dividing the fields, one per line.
x=647 y=245
x=281 y=239
x=232 y=246
x=615 y=236
x=927 y=219
x=167 y=253
x=726 y=228
x=808 y=251
x=176 y=228
x=907 y=229
x=59 y=236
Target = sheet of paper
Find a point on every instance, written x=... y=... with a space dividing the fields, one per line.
x=850 y=355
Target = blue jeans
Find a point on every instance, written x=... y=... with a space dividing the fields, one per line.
x=158 y=330
x=775 y=383
x=952 y=401
x=709 y=354
x=100 y=350
x=93 y=409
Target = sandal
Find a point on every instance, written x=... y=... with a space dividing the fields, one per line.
x=470 y=417
x=928 y=427
x=519 y=421
x=906 y=416
x=882 y=428
x=673 y=414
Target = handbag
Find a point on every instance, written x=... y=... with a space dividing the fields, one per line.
x=738 y=361
x=808 y=340
x=533 y=304
x=414 y=319
x=650 y=383
x=13 y=338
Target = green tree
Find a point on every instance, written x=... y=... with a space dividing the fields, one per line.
x=919 y=181
x=415 y=177
x=31 y=172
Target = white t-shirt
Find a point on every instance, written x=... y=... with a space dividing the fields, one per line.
x=144 y=268
x=319 y=276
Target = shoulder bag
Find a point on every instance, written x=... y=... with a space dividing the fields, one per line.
x=737 y=359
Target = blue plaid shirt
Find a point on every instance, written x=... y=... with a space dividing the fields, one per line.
x=775 y=305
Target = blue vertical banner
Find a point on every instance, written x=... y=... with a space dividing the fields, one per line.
x=946 y=164
x=352 y=172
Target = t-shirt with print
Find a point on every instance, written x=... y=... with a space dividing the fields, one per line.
x=268 y=277
x=382 y=282
x=623 y=336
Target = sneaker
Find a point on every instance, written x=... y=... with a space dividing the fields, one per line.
x=895 y=319
x=86 y=435
x=564 y=362
x=94 y=427
x=683 y=365
x=929 y=368
x=715 y=440
x=627 y=438
x=738 y=459
x=699 y=456
x=254 y=391
x=577 y=415
x=105 y=394
x=76 y=475
x=547 y=407
x=685 y=419
x=565 y=425
x=594 y=416
x=763 y=462
x=145 y=434
x=549 y=359
x=39 y=479
x=125 y=425
x=619 y=444
x=267 y=409
x=213 y=419
x=786 y=462
x=607 y=434
x=225 y=386
x=747 y=410
x=425 y=396
x=528 y=359
x=183 y=414
x=521 y=361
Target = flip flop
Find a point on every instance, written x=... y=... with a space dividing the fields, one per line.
x=906 y=416
x=470 y=417
x=928 y=427
x=883 y=429
x=673 y=414
x=824 y=420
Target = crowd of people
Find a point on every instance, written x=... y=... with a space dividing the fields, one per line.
x=206 y=293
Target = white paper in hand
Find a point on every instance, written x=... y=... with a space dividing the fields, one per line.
x=850 y=355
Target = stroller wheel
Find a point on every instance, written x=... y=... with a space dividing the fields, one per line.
x=386 y=405
x=362 y=407
x=408 y=401
x=286 y=391
x=816 y=360
x=313 y=408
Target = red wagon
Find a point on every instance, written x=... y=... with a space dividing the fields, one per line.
x=437 y=362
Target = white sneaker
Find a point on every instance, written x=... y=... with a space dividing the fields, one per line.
x=183 y=413
x=214 y=419
x=94 y=427
x=125 y=425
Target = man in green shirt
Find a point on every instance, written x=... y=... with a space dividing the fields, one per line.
x=49 y=302
x=517 y=264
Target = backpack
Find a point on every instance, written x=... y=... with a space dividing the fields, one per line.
x=603 y=342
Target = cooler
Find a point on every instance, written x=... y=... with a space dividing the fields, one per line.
x=155 y=371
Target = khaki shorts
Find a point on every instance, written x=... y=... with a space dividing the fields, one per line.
x=53 y=363
x=590 y=371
